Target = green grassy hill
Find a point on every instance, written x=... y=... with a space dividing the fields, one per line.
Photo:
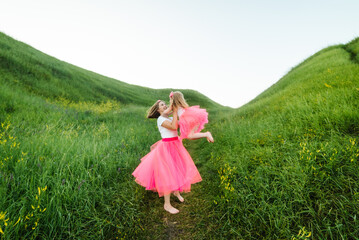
x=284 y=166
x=29 y=70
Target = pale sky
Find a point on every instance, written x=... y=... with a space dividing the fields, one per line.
x=231 y=51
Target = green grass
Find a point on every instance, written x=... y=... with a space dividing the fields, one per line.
x=284 y=166
x=83 y=158
x=289 y=159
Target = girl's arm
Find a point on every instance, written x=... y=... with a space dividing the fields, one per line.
x=171 y=125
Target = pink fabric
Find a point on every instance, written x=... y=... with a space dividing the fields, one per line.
x=192 y=118
x=154 y=146
x=163 y=140
x=167 y=168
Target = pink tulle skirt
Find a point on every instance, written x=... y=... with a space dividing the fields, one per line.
x=192 y=118
x=168 y=167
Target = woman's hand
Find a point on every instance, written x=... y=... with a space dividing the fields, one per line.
x=172 y=125
x=171 y=105
x=167 y=111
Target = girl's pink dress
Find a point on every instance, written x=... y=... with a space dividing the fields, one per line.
x=191 y=118
x=168 y=166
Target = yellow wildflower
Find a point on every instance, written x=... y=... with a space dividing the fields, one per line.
x=34 y=226
x=17 y=222
x=327 y=85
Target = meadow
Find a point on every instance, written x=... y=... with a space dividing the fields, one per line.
x=284 y=166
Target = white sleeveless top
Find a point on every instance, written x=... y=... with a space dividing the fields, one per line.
x=165 y=132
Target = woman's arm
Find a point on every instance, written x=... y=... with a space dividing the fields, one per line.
x=171 y=125
x=167 y=111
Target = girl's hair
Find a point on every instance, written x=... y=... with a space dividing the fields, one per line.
x=178 y=100
x=153 y=111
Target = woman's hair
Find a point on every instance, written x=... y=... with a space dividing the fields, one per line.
x=153 y=111
x=178 y=100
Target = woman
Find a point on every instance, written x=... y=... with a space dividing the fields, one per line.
x=168 y=167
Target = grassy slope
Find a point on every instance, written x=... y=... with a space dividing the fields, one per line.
x=289 y=159
x=77 y=134
x=32 y=71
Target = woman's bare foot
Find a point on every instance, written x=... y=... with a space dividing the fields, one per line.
x=170 y=209
x=209 y=137
x=178 y=195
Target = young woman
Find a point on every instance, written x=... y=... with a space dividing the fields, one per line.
x=168 y=167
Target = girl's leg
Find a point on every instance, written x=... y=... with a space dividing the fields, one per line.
x=207 y=135
x=193 y=135
x=168 y=207
x=178 y=195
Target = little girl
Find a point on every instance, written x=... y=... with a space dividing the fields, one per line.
x=168 y=167
x=191 y=119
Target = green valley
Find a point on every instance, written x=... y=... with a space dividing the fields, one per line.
x=283 y=166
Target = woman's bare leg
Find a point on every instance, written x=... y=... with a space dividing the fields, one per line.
x=178 y=195
x=167 y=206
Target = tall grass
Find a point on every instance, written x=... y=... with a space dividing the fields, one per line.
x=66 y=171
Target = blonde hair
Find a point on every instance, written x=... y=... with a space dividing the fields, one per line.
x=178 y=100
x=153 y=111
